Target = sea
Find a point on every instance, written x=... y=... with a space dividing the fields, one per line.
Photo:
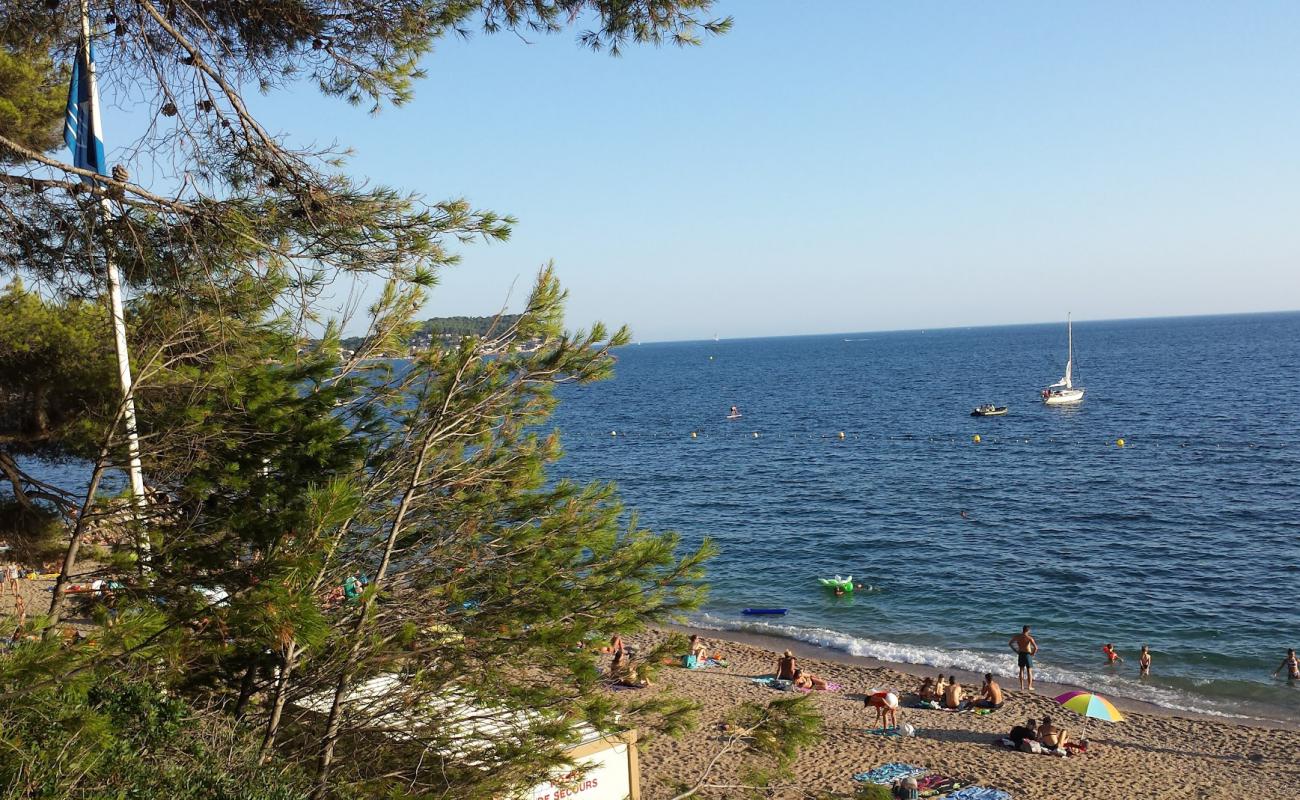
x=856 y=455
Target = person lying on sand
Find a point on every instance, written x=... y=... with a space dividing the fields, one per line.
x=1052 y=737
x=807 y=680
x=785 y=667
x=991 y=694
x=952 y=696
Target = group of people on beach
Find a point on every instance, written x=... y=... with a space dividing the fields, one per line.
x=950 y=694
x=1025 y=647
x=787 y=669
x=1044 y=737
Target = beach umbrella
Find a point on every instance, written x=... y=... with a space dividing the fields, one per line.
x=1087 y=704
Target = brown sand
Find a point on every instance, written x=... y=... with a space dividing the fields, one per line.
x=1148 y=755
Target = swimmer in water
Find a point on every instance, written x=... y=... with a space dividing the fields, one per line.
x=1112 y=657
x=1144 y=661
x=1291 y=664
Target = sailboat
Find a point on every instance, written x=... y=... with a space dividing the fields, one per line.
x=1064 y=392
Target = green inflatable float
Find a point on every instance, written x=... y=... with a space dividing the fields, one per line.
x=838 y=584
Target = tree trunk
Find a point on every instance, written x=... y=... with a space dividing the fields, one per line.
x=15 y=478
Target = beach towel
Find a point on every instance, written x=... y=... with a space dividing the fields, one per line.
x=886 y=774
x=936 y=785
x=978 y=793
x=885 y=731
x=830 y=687
x=773 y=683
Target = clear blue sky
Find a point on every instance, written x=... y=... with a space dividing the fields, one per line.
x=847 y=166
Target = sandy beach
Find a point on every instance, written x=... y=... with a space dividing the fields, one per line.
x=1151 y=754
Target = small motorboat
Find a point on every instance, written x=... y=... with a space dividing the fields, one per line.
x=989 y=410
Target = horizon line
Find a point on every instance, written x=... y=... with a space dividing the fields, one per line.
x=1275 y=312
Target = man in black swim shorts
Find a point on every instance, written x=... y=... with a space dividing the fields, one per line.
x=1025 y=648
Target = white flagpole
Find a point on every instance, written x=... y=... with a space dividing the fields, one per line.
x=115 y=304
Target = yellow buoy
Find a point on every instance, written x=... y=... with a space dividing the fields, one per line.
x=841 y=434
x=755 y=434
x=613 y=433
x=1119 y=442
x=692 y=434
x=976 y=439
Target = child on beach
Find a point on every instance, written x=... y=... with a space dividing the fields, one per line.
x=1144 y=661
x=1112 y=657
x=11 y=578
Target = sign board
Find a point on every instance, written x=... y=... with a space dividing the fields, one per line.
x=605 y=769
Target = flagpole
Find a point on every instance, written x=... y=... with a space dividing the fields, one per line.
x=115 y=300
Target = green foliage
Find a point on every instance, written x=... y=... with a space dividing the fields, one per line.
x=873 y=791
x=112 y=729
x=281 y=476
x=33 y=95
x=60 y=378
x=35 y=533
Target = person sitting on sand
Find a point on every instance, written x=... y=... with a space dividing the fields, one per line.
x=1052 y=737
x=991 y=694
x=807 y=680
x=785 y=667
x=940 y=685
x=698 y=649
x=906 y=789
x=952 y=696
x=1291 y=664
x=1024 y=733
x=1112 y=657
x=1144 y=661
x=886 y=706
x=926 y=690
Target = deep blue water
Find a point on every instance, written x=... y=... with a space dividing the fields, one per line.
x=1187 y=538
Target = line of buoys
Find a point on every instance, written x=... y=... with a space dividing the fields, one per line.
x=913 y=440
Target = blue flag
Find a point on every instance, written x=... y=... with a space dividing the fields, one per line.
x=81 y=127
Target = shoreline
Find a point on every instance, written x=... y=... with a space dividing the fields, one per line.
x=1152 y=752
x=915 y=672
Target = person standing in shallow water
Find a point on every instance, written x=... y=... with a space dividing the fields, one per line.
x=1144 y=662
x=1025 y=648
x=1291 y=664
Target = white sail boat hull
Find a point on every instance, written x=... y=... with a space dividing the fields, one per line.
x=1063 y=392
x=1062 y=397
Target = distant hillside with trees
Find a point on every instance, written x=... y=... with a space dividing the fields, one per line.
x=448 y=329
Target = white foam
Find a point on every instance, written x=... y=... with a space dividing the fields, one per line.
x=968 y=661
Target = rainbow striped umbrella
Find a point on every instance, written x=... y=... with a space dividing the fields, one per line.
x=1087 y=704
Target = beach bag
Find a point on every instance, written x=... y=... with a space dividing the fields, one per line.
x=906 y=729
x=688 y=661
